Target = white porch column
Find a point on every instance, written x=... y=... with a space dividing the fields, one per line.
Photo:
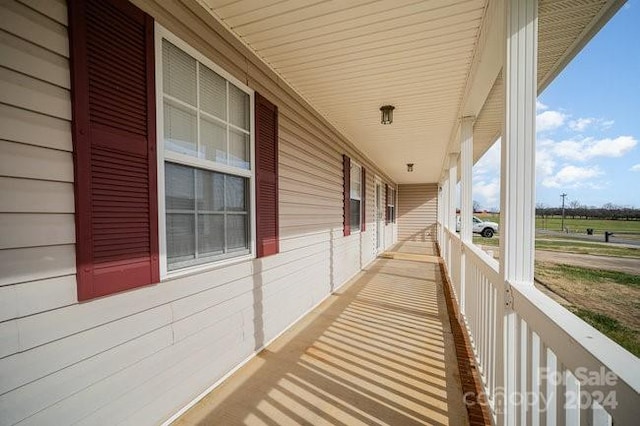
x=517 y=186
x=466 y=202
x=466 y=165
x=445 y=220
x=453 y=179
x=517 y=189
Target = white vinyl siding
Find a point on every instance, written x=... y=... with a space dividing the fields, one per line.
x=139 y=356
x=417 y=210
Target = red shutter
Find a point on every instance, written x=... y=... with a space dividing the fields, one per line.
x=114 y=139
x=346 y=178
x=386 y=204
x=267 y=240
x=363 y=202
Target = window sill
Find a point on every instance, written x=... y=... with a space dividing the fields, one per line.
x=206 y=267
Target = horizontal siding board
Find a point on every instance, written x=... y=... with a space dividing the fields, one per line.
x=176 y=365
x=32 y=364
x=53 y=9
x=32 y=297
x=32 y=230
x=35 y=196
x=34 y=162
x=19 y=125
x=34 y=95
x=27 y=58
x=417 y=210
x=28 y=24
x=9 y=342
x=53 y=388
x=8 y=305
x=36 y=263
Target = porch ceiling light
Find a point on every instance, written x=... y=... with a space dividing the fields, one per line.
x=386 y=114
x=409 y=167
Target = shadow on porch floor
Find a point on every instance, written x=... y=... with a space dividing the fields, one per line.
x=378 y=351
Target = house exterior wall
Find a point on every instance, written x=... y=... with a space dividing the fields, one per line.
x=417 y=212
x=140 y=356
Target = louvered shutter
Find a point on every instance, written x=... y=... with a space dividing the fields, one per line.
x=266 y=114
x=363 y=202
x=346 y=176
x=114 y=137
x=386 y=204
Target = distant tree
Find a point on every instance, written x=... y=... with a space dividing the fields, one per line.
x=476 y=206
x=573 y=208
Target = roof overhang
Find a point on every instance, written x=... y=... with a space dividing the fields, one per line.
x=434 y=60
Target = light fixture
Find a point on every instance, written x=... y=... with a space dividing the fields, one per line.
x=409 y=167
x=386 y=114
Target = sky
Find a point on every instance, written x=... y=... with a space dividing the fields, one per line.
x=588 y=126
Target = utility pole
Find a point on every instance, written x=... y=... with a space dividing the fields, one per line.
x=563 y=195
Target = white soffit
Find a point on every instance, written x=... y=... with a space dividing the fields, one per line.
x=349 y=57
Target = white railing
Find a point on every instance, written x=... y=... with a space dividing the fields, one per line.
x=539 y=364
x=455 y=264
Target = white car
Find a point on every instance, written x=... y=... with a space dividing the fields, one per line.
x=486 y=229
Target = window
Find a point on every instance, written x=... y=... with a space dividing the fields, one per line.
x=391 y=205
x=206 y=196
x=355 y=196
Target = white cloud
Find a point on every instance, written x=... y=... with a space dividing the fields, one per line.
x=606 y=124
x=545 y=164
x=540 y=106
x=635 y=168
x=487 y=192
x=588 y=148
x=572 y=177
x=489 y=163
x=549 y=120
x=580 y=124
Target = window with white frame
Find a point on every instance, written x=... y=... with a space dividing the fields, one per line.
x=391 y=205
x=207 y=159
x=356 y=196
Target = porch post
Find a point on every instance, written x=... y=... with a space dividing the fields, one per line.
x=451 y=219
x=466 y=202
x=517 y=188
x=445 y=220
x=453 y=179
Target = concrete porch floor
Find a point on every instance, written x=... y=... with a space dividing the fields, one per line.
x=378 y=351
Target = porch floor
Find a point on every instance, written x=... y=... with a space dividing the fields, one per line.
x=378 y=351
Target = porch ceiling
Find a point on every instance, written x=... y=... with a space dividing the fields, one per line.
x=348 y=58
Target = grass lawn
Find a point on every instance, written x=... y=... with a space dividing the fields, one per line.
x=568 y=246
x=609 y=301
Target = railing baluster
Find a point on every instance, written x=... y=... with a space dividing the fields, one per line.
x=535 y=388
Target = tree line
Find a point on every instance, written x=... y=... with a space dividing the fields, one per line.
x=577 y=210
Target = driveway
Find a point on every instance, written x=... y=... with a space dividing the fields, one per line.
x=621 y=264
